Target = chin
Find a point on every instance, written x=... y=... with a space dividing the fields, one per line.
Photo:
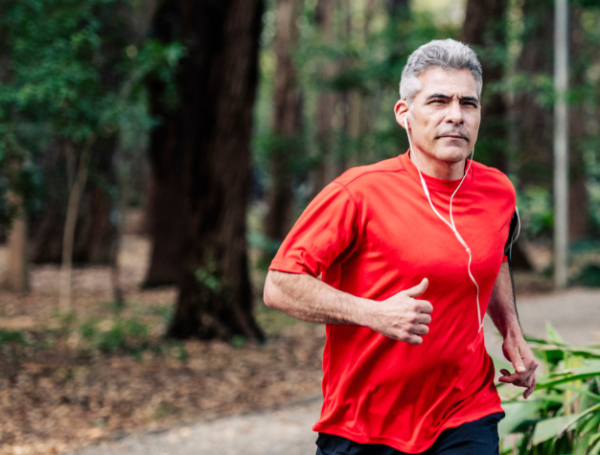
x=453 y=154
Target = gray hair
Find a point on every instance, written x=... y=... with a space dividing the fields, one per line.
x=447 y=54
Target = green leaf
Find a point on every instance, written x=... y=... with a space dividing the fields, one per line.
x=594 y=444
x=590 y=370
x=582 y=351
x=518 y=413
x=590 y=426
x=554 y=427
x=579 y=390
x=553 y=335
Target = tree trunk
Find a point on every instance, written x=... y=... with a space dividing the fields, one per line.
x=95 y=229
x=165 y=207
x=531 y=122
x=217 y=80
x=535 y=122
x=17 y=271
x=325 y=171
x=485 y=30
x=76 y=188
x=286 y=124
x=166 y=202
x=579 y=213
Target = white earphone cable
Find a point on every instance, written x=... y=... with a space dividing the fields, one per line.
x=451 y=224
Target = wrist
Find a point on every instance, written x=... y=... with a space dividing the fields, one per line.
x=513 y=330
x=360 y=310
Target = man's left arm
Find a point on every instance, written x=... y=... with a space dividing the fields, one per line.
x=503 y=311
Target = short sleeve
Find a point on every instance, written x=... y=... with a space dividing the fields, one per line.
x=325 y=229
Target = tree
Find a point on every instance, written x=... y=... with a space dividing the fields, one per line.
x=17 y=272
x=286 y=123
x=533 y=111
x=166 y=196
x=532 y=118
x=95 y=233
x=71 y=85
x=485 y=29
x=579 y=215
x=325 y=170
x=212 y=126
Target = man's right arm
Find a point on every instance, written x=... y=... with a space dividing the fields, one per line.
x=400 y=317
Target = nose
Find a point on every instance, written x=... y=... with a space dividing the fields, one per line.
x=454 y=114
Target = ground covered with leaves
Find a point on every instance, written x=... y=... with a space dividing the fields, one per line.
x=67 y=379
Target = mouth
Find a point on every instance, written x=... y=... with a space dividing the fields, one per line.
x=453 y=136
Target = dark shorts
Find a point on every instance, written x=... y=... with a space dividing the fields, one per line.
x=473 y=438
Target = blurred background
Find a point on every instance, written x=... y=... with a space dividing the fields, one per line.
x=154 y=154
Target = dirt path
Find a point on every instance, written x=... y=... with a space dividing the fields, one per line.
x=574 y=313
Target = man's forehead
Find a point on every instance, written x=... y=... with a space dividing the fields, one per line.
x=437 y=80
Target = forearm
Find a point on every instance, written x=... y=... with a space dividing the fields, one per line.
x=502 y=306
x=309 y=299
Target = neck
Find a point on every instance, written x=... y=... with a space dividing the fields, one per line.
x=436 y=168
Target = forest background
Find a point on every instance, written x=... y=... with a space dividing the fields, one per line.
x=153 y=155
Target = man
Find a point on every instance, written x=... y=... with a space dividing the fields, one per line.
x=410 y=253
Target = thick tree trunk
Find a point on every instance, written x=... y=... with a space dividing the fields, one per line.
x=95 y=229
x=165 y=208
x=166 y=202
x=218 y=81
x=286 y=123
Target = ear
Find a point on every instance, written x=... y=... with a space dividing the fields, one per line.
x=401 y=112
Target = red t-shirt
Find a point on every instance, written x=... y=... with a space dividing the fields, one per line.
x=372 y=233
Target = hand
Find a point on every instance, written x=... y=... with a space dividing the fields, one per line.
x=402 y=317
x=515 y=350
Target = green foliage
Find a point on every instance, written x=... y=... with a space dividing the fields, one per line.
x=165 y=312
x=70 y=75
x=365 y=52
x=210 y=283
x=537 y=212
x=11 y=336
x=127 y=336
x=590 y=275
x=562 y=416
x=238 y=341
x=122 y=335
x=362 y=59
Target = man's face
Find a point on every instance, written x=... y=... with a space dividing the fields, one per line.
x=445 y=115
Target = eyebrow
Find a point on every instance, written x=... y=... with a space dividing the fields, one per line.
x=446 y=97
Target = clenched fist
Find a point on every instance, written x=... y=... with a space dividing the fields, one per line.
x=403 y=317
